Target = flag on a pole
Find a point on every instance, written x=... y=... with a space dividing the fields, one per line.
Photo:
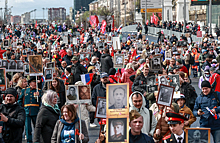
x=87 y=78
x=119 y=28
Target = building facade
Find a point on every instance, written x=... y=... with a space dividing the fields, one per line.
x=25 y=18
x=16 y=19
x=57 y=14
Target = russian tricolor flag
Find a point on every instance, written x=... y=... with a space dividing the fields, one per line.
x=87 y=78
x=138 y=57
x=119 y=28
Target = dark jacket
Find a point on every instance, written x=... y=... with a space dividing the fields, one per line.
x=206 y=64
x=142 y=138
x=190 y=94
x=106 y=63
x=207 y=120
x=97 y=54
x=67 y=59
x=15 y=123
x=98 y=90
x=77 y=70
x=171 y=139
x=59 y=127
x=46 y=120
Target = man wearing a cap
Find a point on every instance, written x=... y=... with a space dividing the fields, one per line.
x=176 y=124
x=77 y=69
x=136 y=123
x=209 y=99
x=28 y=100
x=13 y=117
x=186 y=111
x=137 y=102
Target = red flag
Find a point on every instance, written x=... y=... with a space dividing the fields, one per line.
x=134 y=54
x=36 y=24
x=147 y=22
x=103 y=26
x=94 y=20
x=113 y=23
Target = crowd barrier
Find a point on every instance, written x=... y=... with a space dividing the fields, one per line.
x=154 y=31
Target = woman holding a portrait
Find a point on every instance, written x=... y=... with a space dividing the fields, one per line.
x=67 y=127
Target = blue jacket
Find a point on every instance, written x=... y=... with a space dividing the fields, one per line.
x=207 y=120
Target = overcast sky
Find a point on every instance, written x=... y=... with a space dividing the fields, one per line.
x=22 y=6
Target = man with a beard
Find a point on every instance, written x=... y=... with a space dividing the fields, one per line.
x=13 y=118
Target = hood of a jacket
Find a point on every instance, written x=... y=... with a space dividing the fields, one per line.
x=130 y=71
x=112 y=71
x=105 y=55
x=69 y=124
x=132 y=107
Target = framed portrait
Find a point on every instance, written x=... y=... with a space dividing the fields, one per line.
x=117 y=96
x=119 y=60
x=175 y=82
x=151 y=80
x=20 y=66
x=197 y=135
x=163 y=80
x=100 y=111
x=157 y=51
x=12 y=65
x=72 y=94
x=3 y=79
x=117 y=130
x=6 y=43
x=156 y=63
x=165 y=95
x=35 y=66
x=109 y=40
x=48 y=74
x=5 y=64
x=174 y=49
x=26 y=69
x=24 y=52
x=168 y=55
x=50 y=65
x=116 y=43
x=84 y=92
x=151 y=88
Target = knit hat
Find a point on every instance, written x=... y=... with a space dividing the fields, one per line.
x=112 y=71
x=133 y=114
x=206 y=83
x=11 y=91
x=204 y=50
x=68 y=69
x=179 y=61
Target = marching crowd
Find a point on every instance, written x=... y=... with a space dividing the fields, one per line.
x=29 y=100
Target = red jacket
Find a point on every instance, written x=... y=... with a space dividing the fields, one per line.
x=125 y=78
x=62 y=53
x=216 y=77
x=113 y=79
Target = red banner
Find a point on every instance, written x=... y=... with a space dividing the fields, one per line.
x=94 y=20
x=113 y=23
x=103 y=26
x=199 y=33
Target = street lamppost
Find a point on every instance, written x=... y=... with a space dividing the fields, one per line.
x=35 y=14
x=43 y=13
x=125 y=3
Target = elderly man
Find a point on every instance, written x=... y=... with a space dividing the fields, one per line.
x=136 y=124
x=137 y=102
x=94 y=63
x=13 y=117
x=68 y=57
x=209 y=99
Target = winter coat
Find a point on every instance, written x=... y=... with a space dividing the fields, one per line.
x=46 y=120
x=215 y=80
x=187 y=113
x=164 y=129
x=190 y=94
x=146 y=116
x=206 y=64
x=97 y=54
x=15 y=123
x=106 y=63
x=142 y=138
x=98 y=90
x=67 y=59
x=207 y=120
x=56 y=137
x=77 y=70
x=125 y=78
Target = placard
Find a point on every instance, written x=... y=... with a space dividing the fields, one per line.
x=116 y=43
x=100 y=108
x=197 y=135
x=48 y=74
x=35 y=65
x=165 y=95
x=3 y=78
x=119 y=60
x=26 y=69
x=72 y=94
x=6 y=43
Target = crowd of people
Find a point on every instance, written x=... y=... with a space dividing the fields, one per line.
x=29 y=100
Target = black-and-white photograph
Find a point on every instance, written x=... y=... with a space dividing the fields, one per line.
x=165 y=95
x=26 y=69
x=168 y=55
x=84 y=93
x=72 y=94
x=48 y=74
x=174 y=49
x=157 y=51
x=198 y=135
x=156 y=63
x=116 y=43
x=5 y=64
x=12 y=65
x=119 y=60
x=117 y=96
x=2 y=76
x=117 y=129
x=151 y=80
x=151 y=88
x=50 y=65
x=100 y=108
x=20 y=67
x=163 y=80
x=6 y=43
x=175 y=82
